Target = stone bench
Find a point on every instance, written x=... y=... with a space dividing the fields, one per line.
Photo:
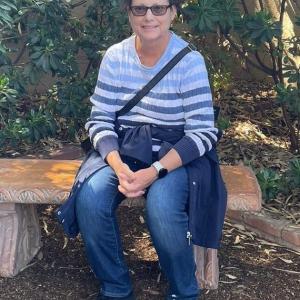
x=24 y=183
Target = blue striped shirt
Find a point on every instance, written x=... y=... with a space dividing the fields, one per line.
x=181 y=100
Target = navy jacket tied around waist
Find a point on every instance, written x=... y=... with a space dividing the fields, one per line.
x=207 y=197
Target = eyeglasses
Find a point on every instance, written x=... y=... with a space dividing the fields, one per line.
x=157 y=10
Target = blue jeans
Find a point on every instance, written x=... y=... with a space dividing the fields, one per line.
x=167 y=220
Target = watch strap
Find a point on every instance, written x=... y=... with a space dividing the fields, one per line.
x=158 y=166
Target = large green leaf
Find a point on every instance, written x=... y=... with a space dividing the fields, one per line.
x=260 y=28
x=6 y=9
x=203 y=15
x=230 y=14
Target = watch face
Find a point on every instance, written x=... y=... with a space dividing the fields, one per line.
x=162 y=173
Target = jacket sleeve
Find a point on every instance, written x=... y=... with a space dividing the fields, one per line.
x=100 y=125
x=200 y=132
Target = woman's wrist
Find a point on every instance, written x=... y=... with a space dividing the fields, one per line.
x=152 y=173
x=114 y=160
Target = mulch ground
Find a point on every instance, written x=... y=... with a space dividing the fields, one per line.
x=250 y=268
x=257 y=137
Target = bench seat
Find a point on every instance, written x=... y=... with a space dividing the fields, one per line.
x=24 y=183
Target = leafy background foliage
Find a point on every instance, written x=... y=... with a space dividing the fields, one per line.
x=39 y=39
x=253 y=36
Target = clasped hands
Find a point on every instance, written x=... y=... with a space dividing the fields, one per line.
x=134 y=184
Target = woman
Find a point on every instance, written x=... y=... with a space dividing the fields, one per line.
x=179 y=105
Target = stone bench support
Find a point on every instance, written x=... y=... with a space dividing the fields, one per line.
x=20 y=237
x=24 y=183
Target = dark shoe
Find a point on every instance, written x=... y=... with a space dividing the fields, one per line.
x=129 y=297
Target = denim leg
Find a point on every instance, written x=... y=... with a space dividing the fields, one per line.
x=95 y=208
x=167 y=219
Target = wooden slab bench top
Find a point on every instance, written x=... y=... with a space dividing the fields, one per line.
x=49 y=181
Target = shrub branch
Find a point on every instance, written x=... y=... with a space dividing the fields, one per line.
x=245 y=56
x=245 y=7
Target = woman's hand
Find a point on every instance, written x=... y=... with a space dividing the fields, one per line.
x=133 y=184
x=124 y=174
x=136 y=186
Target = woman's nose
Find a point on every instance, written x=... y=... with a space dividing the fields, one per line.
x=149 y=14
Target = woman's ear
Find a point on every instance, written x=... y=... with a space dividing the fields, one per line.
x=173 y=12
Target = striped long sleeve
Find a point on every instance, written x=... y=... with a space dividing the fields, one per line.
x=100 y=125
x=200 y=132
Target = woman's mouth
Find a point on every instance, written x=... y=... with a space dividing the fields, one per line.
x=146 y=27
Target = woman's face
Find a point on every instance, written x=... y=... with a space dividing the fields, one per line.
x=151 y=28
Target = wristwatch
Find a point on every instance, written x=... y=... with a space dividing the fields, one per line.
x=161 y=171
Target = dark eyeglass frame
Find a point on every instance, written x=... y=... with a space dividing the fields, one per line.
x=152 y=8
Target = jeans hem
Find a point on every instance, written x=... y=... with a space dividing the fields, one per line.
x=108 y=294
x=180 y=297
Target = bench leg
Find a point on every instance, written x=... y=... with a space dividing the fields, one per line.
x=20 y=237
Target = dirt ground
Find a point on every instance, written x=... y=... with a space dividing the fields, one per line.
x=250 y=268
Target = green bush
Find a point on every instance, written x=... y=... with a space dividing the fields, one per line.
x=223 y=123
x=13 y=134
x=252 y=36
x=7 y=6
x=291 y=178
x=39 y=124
x=269 y=182
x=272 y=183
x=30 y=129
x=294 y=173
x=8 y=101
x=40 y=38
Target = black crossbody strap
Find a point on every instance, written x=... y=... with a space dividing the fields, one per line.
x=147 y=88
